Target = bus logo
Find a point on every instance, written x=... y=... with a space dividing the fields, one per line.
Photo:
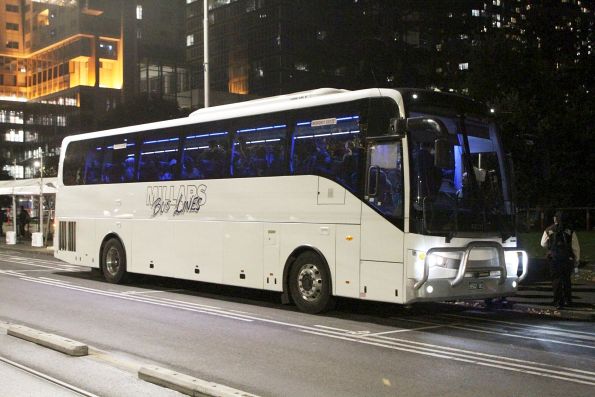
x=178 y=200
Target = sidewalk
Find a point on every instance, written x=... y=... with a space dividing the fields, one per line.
x=536 y=297
x=533 y=297
x=24 y=245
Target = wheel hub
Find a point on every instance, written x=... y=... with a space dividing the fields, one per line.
x=112 y=261
x=310 y=282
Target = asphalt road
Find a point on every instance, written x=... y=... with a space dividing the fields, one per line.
x=247 y=340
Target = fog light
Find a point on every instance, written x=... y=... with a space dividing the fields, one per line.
x=514 y=284
x=429 y=289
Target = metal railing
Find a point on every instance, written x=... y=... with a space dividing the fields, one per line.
x=537 y=219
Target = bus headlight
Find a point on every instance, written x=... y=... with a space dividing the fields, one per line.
x=436 y=260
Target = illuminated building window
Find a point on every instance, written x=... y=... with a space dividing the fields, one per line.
x=11 y=116
x=14 y=171
x=43 y=18
x=475 y=13
x=190 y=40
x=139 y=12
x=303 y=67
x=14 y=136
x=464 y=66
x=108 y=50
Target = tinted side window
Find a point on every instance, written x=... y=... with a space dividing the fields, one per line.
x=119 y=160
x=74 y=163
x=259 y=148
x=328 y=147
x=93 y=162
x=159 y=157
x=204 y=155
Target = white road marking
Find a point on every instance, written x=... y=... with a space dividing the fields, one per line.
x=499 y=332
x=405 y=330
x=187 y=307
x=54 y=280
x=332 y=328
x=486 y=330
x=60 y=268
x=378 y=339
x=567 y=376
x=522 y=325
x=152 y=291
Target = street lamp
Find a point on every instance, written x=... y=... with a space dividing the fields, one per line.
x=39 y=164
x=206 y=49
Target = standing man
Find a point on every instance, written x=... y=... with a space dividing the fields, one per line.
x=563 y=255
x=23 y=221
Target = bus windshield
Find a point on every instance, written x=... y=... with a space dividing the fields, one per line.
x=471 y=194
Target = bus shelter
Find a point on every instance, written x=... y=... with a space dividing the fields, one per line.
x=25 y=192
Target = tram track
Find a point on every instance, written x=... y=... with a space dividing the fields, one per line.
x=47 y=378
x=379 y=339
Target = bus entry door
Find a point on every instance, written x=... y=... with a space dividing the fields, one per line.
x=382 y=237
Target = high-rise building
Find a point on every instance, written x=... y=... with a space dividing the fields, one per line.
x=268 y=47
x=65 y=62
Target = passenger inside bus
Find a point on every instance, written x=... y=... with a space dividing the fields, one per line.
x=189 y=169
x=212 y=162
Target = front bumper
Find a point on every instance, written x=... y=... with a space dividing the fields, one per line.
x=470 y=288
x=467 y=284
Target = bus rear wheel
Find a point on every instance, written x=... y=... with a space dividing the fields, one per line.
x=113 y=261
x=310 y=283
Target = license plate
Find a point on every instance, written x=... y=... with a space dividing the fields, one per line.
x=476 y=285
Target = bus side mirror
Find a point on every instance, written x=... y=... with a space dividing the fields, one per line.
x=398 y=126
x=426 y=128
x=442 y=157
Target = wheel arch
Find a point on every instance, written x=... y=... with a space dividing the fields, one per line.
x=106 y=238
x=285 y=295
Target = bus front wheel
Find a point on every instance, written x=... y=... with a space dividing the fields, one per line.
x=113 y=261
x=310 y=283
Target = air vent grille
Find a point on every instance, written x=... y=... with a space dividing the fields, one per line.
x=67 y=236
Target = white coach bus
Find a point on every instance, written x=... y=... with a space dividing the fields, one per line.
x=387 y=195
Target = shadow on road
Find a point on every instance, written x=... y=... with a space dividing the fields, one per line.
x=353 y=309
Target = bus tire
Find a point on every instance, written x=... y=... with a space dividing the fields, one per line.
x=310 y=283
x=113 y=261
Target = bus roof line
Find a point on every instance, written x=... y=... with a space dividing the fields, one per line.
x=279 y=98
x=251 y=108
